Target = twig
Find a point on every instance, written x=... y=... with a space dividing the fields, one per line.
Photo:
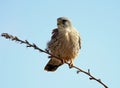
x=14 y=38
x=91 y=77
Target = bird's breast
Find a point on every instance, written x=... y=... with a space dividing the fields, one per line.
x=64 y=45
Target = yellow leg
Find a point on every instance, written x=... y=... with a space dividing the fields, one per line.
x=71 y=63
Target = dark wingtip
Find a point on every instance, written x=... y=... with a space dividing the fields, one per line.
x=50 y=67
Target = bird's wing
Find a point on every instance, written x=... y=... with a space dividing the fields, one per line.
x=79 y=42
x=54 y=33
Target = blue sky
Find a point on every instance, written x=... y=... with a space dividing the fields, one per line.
x=98 y=22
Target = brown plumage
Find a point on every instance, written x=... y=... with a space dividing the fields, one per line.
x=65 y=44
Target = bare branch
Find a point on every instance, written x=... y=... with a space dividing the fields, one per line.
x=14 y=38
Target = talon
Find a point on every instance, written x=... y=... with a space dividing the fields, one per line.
x=70 y=65
x=49 y=56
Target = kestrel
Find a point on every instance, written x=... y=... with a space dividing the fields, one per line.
x=65 y=43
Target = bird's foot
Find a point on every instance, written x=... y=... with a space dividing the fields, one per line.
x=70 y=65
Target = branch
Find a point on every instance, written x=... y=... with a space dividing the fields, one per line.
x=14 y=38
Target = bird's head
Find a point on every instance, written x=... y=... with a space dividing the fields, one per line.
x=63 y=22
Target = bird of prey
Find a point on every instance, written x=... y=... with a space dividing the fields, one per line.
x=65 y=43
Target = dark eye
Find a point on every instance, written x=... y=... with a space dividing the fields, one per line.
x=64 y=21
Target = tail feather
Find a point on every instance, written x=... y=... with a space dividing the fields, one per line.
x=53 y=64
